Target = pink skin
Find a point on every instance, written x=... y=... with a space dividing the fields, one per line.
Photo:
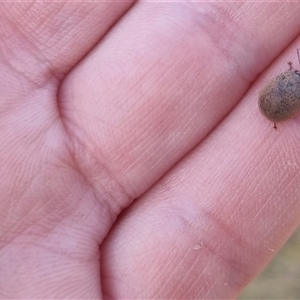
x=106 y=106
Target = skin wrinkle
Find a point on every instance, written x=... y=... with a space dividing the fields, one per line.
x=76 y=148
x=195 y=285
x=184 y=279
x=60 y=32
x=214 y=250
x=215 y=25
x=13 y=38
x=27 y=214
x=77 y=141
x=115 y=197
x=230 y=260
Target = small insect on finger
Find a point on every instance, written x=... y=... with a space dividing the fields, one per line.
x=279 y=100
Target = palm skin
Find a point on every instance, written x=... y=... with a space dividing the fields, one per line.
x=133 y=163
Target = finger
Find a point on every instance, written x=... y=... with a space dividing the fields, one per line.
x=47 y=39
x=218 y=218
x=161 y=82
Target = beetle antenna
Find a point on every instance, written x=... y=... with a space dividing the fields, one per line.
x=298 y=57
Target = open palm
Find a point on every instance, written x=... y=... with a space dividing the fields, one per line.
x=134 y=162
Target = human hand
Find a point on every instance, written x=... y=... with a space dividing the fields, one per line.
x=144 y=112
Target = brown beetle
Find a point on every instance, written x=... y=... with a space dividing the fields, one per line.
x=279 y=100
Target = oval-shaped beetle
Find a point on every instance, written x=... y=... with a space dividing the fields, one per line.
x=280 y=98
